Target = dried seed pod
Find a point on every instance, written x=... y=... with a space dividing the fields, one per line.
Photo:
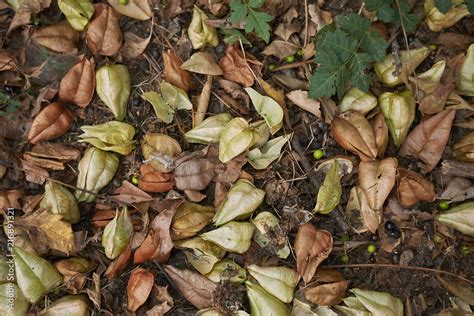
x=53 y=121
x=60 y=201
x=412 y=188
x=200 y=34
x=464 y=148
x=78 y=85
x=61 y=38
x=113 y=88
x=358 y=100
x=117 y=234
x=465 y=83
x=103 y=35
x=438 y=21
x=398 y=110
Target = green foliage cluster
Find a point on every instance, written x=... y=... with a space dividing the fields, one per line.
x=394 y=11
x=344 y=51
x=445 y=5
x=255 y=21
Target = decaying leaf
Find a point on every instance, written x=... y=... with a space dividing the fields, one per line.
x=9 y=199
x=189 y=219
x=261 y=158
x=59 y=200
x=237 y=68
x=200 y=33
x=233 y=236
x=103 y=35
x=25 y=10
x=460 y=289
x=227 y=270
x=202 y=63
x=113 y=88
x=201 y=254
x=381 y=134
x=61 y=38
x=312 y=246
x=139 y=288
x=429 y=138
x=460 y=218
x=74 y=272
x=464 y=148
x=377 y=179
x=353 y=132
x=269 y=234
x=133 y=45
x=155 y=181
x=137 y=9
x=328 y=294
x=301 y=99
x=117 y=234
x=77 y=305
x=412 y=188
x=53 y=121
x=159 y=151
x=176 y=75
x=77 y=12
x=197 y=289
x=280 y=49
x=329 y=194
x=78 y=85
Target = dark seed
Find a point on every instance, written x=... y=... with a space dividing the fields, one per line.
x=320 y=137
x=372 y=258
x=136 y=102
x=374 y=237
x=395 y=233
x=332 y=143
x=389 y=225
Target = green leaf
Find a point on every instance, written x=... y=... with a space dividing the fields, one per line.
x=329 y=194
x=410 y=20
x=255 y=21
x=268 y=108
x=117 y=234
x=470 y=5
x=444 y=5
x=11 y=292
x=232 y=36
x=113 y=88
x=77 y=12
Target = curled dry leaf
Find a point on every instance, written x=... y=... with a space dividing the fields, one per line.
x=301 y=99
x=268 y=108
x=227 y=270
x=358 y=100
x=429 y=138
x=197 y=289
x=139 y=288
x=435 y=101
x=312 y=246
x=196 y=173
x=353 y=132
x=327 y=294
x=464 y=148
x=33 y=173
x=137 y=9
x=158 y=244
x=77 y=12
x=53 y=121
x=128 y=193
x=154 y=181
x=412 y=187
x=78 y=85
x=377 y=179
x=134 y=45
x=202 y=63
x=118 y=266
x=61 y=38
x=109 y=136
x=381 y=134
x=209 y=131
x=176 y=75
x=237 y=68
x=103 y=34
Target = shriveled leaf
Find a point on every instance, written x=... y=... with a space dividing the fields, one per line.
x=117 y=234
x=312 y=246
x=329 y=194
x=280 y=49
x=61 y=38
x=197 y=289
x=237 y=68
x=301 y=99
x=261 y=158
x=233 y=236
x=59 y=200
x=139 y=288
x=176 y=75
x=460 y=218
x=429 y=138
x=202 y=254
x=263 y=303
x=269 y=234
x=189 y=219
x=77 y=305
x=209 y=131
x=53 y=121
x=113 y=88
x=268 y=108
x=78 y=85
x=136 y=9
x=412 y=188
x=103 y=35
x=196 y=173
x=353 y=132
x=202 y=63
x=200 y=33
x=35 y=276
x=241 y=201
x=159 y=151
x=278 y=281
x=377 y=179
x=227 y=270
x=77 y=12
x=236 y=138
x=327 y=294
x=96 y=170
x=25 y=10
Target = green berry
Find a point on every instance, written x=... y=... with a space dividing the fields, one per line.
x=123 y=2
x=300 y=52
x=465 y=249
x=345 y=238
x=371 y=248
x=272 y=67
x=344 y=259
x=318 y=154
x=290 y=59
x=135 y=180
x=443 y=205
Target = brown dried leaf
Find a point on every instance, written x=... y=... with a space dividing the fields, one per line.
x=55 y=151
x=43 y=163
x=197 y=289
x=280 y=49
x=462 y=290
x=34 y=173
x=353 y=132
x=53 y=121
x=435 y=101
x=118 y=266
x=25 y=11
x=78 y=85
x=428 y=140
x=133 y=45
x=237 y=68
x=312 y=246
x=412 y=188
x=155 y=181
x=103 y=35
x=174 y=74
x=377 y=179
x=327 y=294
x=6 y=61
x=301 y=99
x=381 y=134
x=9 y=199
x=139 y=288
x=158 y=244
x=195 y=173
x=372 y=218
x=285 y=30
x=128 y=193
x=61 y=38
x=202 y=63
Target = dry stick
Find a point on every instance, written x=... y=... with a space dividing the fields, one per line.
x=203 y=102
x=396 y=266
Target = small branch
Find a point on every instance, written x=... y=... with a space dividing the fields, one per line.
x=457 y=169
x=396 y=266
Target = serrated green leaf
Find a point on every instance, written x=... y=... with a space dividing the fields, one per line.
x=232 y=36
x=322 y=84
x=444 y=5
x=410 y=20
x=255 y=21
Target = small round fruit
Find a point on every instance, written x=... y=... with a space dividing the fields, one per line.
x=443 y=205
x=465 y=249
x=290 y=59
x=135 y=180
x=344 y=259
x=395 y=233
x=389 y=225
x=318 y=154
x=345 y=238
x=272 y=67
x=300 y=52
x=123 y=2
x=371 y=248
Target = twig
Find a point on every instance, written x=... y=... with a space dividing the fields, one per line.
x=294 y=65
x=305 y=23
x=396 y=266
x=457 y=169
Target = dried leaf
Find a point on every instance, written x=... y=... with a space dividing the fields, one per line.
x=353 y=132
x=237 y=68
x=209 y=131
x=312 y=246
x=74 y=272
x=202 y=63
x=58 y=200
x=268 y=108
x=429 y=138
x=56 y=151
x=139 y=288
x=301 y=99
x=280 y=49
x=412 y=188
x=77 y=12
x=113 y=88
x=327 y=294
x=197 y=289
x=329 y=194
x=189 y=219
x=196 y=173
x=117 y=234
x=377 y=179
x=278 y=281
x=103 y=35
x=236 y=138
x=53 y=121
x=263 y=303
x=133 y=45
x=200 y=33
x=25 y=11
x=464 y=148
x=227 y=270
x=159 y=151
x=118 y=266
x=77 y=305
x=465 y=82
x=201 y=254
x=233 y=236
x=60 y=38
x=381 y=134
x=33 y=173
x=78 y=85
x=358 y=100
x=460 y=218
x=136 y=9
x=261 y=158
x=462 y=290
x=9 y=199
x=174 y=74
x=154 y=181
